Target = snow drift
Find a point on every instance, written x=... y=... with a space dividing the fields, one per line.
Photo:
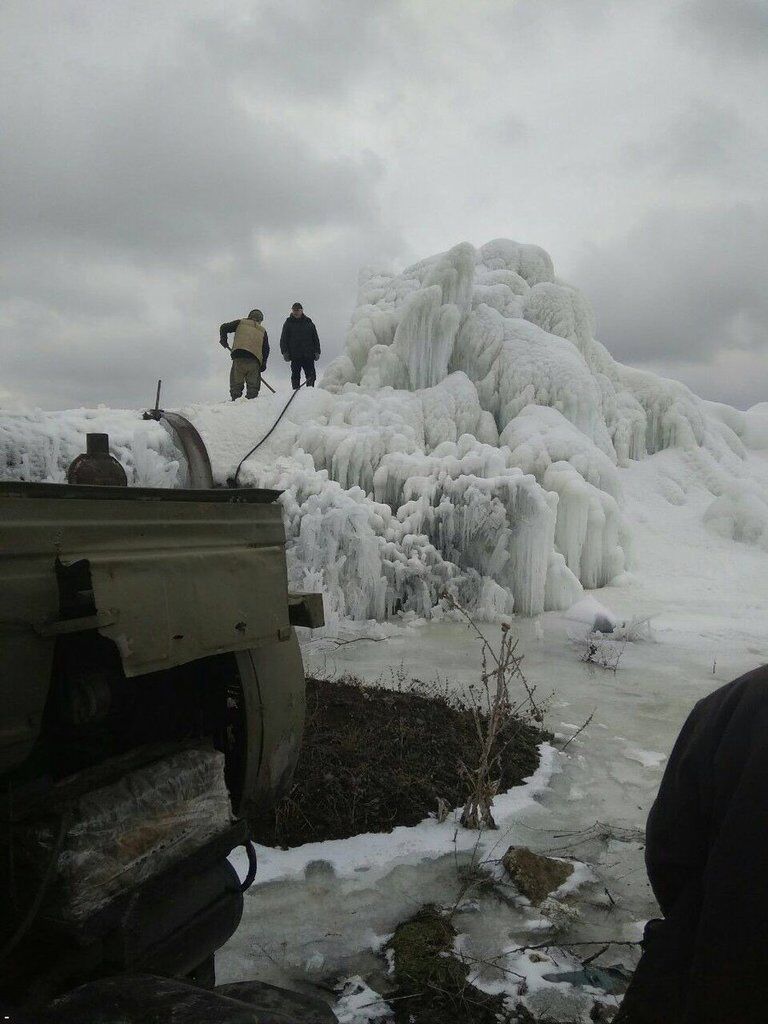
x=470 y=439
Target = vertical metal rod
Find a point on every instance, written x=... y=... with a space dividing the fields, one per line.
x=157 y=397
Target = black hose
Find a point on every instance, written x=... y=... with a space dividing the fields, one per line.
x=232 y=480
x=247 y=882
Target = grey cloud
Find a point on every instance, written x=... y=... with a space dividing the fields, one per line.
x=739 y=27
x=167 y=167
x=146 y=202
x=736 y=377
x=509 y=130
x=104 y=332
x=682 y=284
x=703 y=140
x=294 y=49
x=176 y=165
x=583 y=16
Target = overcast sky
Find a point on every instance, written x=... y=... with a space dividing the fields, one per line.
x=168 y=166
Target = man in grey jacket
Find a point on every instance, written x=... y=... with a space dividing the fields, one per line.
x=250 y=351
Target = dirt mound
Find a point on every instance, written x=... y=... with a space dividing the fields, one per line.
x=373 y=758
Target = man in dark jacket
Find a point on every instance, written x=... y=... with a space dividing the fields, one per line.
x=300 y=346
x=706 y=852
x=250 y=351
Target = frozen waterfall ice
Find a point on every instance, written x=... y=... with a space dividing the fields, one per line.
x=470 y=439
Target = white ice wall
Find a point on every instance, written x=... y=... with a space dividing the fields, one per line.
x=470 y=438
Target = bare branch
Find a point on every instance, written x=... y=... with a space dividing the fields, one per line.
x=579 y=731
x=341 y=642
x=606 y=943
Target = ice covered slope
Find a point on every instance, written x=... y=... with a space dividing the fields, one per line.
x=467 y=440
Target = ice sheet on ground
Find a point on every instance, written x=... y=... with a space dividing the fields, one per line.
x=647 y=758
x=707 y=597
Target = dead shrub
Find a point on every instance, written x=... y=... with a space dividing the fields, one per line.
x=501 y=705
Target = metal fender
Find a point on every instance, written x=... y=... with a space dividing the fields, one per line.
x=272 y=681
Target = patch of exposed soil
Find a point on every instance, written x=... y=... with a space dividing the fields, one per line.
x=431 y=982
x=373 y=758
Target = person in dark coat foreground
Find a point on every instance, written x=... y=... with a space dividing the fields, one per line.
x=300 y=346
x=706 y=853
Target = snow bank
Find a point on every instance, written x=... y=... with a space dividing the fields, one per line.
x=740 y=514
x=377 y=853
x=359 y=1004
x=40 y=445
x=469 y=439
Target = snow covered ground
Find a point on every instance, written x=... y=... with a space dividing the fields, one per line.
x=476 y=438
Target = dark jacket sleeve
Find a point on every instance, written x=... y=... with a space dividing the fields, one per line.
x=706 y=851
x=676 y=832
x=265 y=352
x=226 y=329
x=284 y=341
x=316 y=340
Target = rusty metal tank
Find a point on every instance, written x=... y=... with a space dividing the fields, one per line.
x=96 y=465
x=151 y=697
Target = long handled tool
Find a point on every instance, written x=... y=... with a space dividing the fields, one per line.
x=262 y=379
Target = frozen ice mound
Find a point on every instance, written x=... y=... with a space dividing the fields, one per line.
x=470 y=439
x=595 y=616
x=756 y=426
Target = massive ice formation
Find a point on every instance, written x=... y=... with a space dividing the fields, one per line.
x=469 y=439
